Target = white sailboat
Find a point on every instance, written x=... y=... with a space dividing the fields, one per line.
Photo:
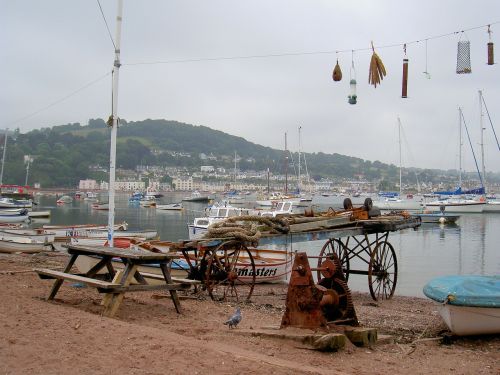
x=398 y=202
x=492 y=205
x=459 y=203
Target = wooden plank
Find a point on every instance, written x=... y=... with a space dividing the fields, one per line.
x=142 y=287
x=319 y=224
x=117 y=298
x=155 y=276
x=122 y=253
x=108 y=297
x=77 y=278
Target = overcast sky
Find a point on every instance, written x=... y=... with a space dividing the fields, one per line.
x=50 y=49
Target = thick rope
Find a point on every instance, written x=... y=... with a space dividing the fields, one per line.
x=245 y=228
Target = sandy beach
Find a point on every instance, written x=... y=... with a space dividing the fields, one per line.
x=69 y=335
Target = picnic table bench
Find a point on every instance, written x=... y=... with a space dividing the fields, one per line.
x=121 y=280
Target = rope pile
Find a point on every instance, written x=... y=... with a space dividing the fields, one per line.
x=247 y=228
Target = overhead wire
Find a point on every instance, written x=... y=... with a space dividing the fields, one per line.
x=58 y=101
x=106 y=23
x=306 y=53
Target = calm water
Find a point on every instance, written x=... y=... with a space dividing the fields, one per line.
x=470 y=247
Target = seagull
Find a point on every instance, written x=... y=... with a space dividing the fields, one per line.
x=233 y=321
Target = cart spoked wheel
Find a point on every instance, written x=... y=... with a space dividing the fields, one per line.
x=382 y=271
x=230 y=274
x=334 y=246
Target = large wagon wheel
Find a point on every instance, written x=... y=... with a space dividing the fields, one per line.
x=335 y=246
x=230 y=274
x=382 y=271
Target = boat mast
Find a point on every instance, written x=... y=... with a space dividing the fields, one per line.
x=3 y=157
x=235 y=169
x=400 y=163
x=286 y=166
x=460 y=147
x=114 y=126
x=298 y=185
x=483 y=168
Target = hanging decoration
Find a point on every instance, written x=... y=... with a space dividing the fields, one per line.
x=377 y=69
x=491 y=59
x=404 y=90
x=463 y=57
x=337 y=72
x=353 y=97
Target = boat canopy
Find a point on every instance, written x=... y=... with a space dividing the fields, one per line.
x=477 y=291
x=459 y=191
x=388 y=194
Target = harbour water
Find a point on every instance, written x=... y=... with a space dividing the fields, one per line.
x=469 y=247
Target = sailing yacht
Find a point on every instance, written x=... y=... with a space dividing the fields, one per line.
x=458 y=201
x=397 y=202
x=492 y=203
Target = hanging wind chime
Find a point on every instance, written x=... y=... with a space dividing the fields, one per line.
x=337 y=72
x=491 y=59
x=463 y=57
x=404 y=90
x=353 y=97
x=377 y=69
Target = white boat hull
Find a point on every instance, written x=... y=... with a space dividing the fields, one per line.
x=492 y=207
x=467 y=320
x=399 y=204
x=23 y=246
x=267 y=270
x=476 y=207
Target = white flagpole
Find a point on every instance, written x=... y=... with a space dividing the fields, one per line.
x=114 y=128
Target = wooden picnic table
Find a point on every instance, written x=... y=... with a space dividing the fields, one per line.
x=121 y=280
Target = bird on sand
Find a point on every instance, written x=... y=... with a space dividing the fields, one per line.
x=233 y=321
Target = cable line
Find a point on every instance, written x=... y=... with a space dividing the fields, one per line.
x=222 y=58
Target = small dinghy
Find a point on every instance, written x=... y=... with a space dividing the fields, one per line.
x=469 y=305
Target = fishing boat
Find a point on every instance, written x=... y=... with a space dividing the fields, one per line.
x=282 y=208
x=81 y=230
x=469 y=305
x=44 y=213
x=196 y=197
x=271 y=266
x=437 y=217
x=23 y=245
x=148 y=201
x=216 y=213
x=64 y=199
x=19 y=217
x=31 y=234
x=170 y=207
x=15 y=203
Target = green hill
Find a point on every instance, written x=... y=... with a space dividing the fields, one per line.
x=65 y=154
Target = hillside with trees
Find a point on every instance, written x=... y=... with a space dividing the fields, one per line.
x=63 y=155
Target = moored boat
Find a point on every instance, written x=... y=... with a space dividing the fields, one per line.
x=196 y=196
x=271 y=266
x=469 y=305
x=23 y=245
x=216 y=213
x=170 y=207
x=458 y=205
x=437 y=217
